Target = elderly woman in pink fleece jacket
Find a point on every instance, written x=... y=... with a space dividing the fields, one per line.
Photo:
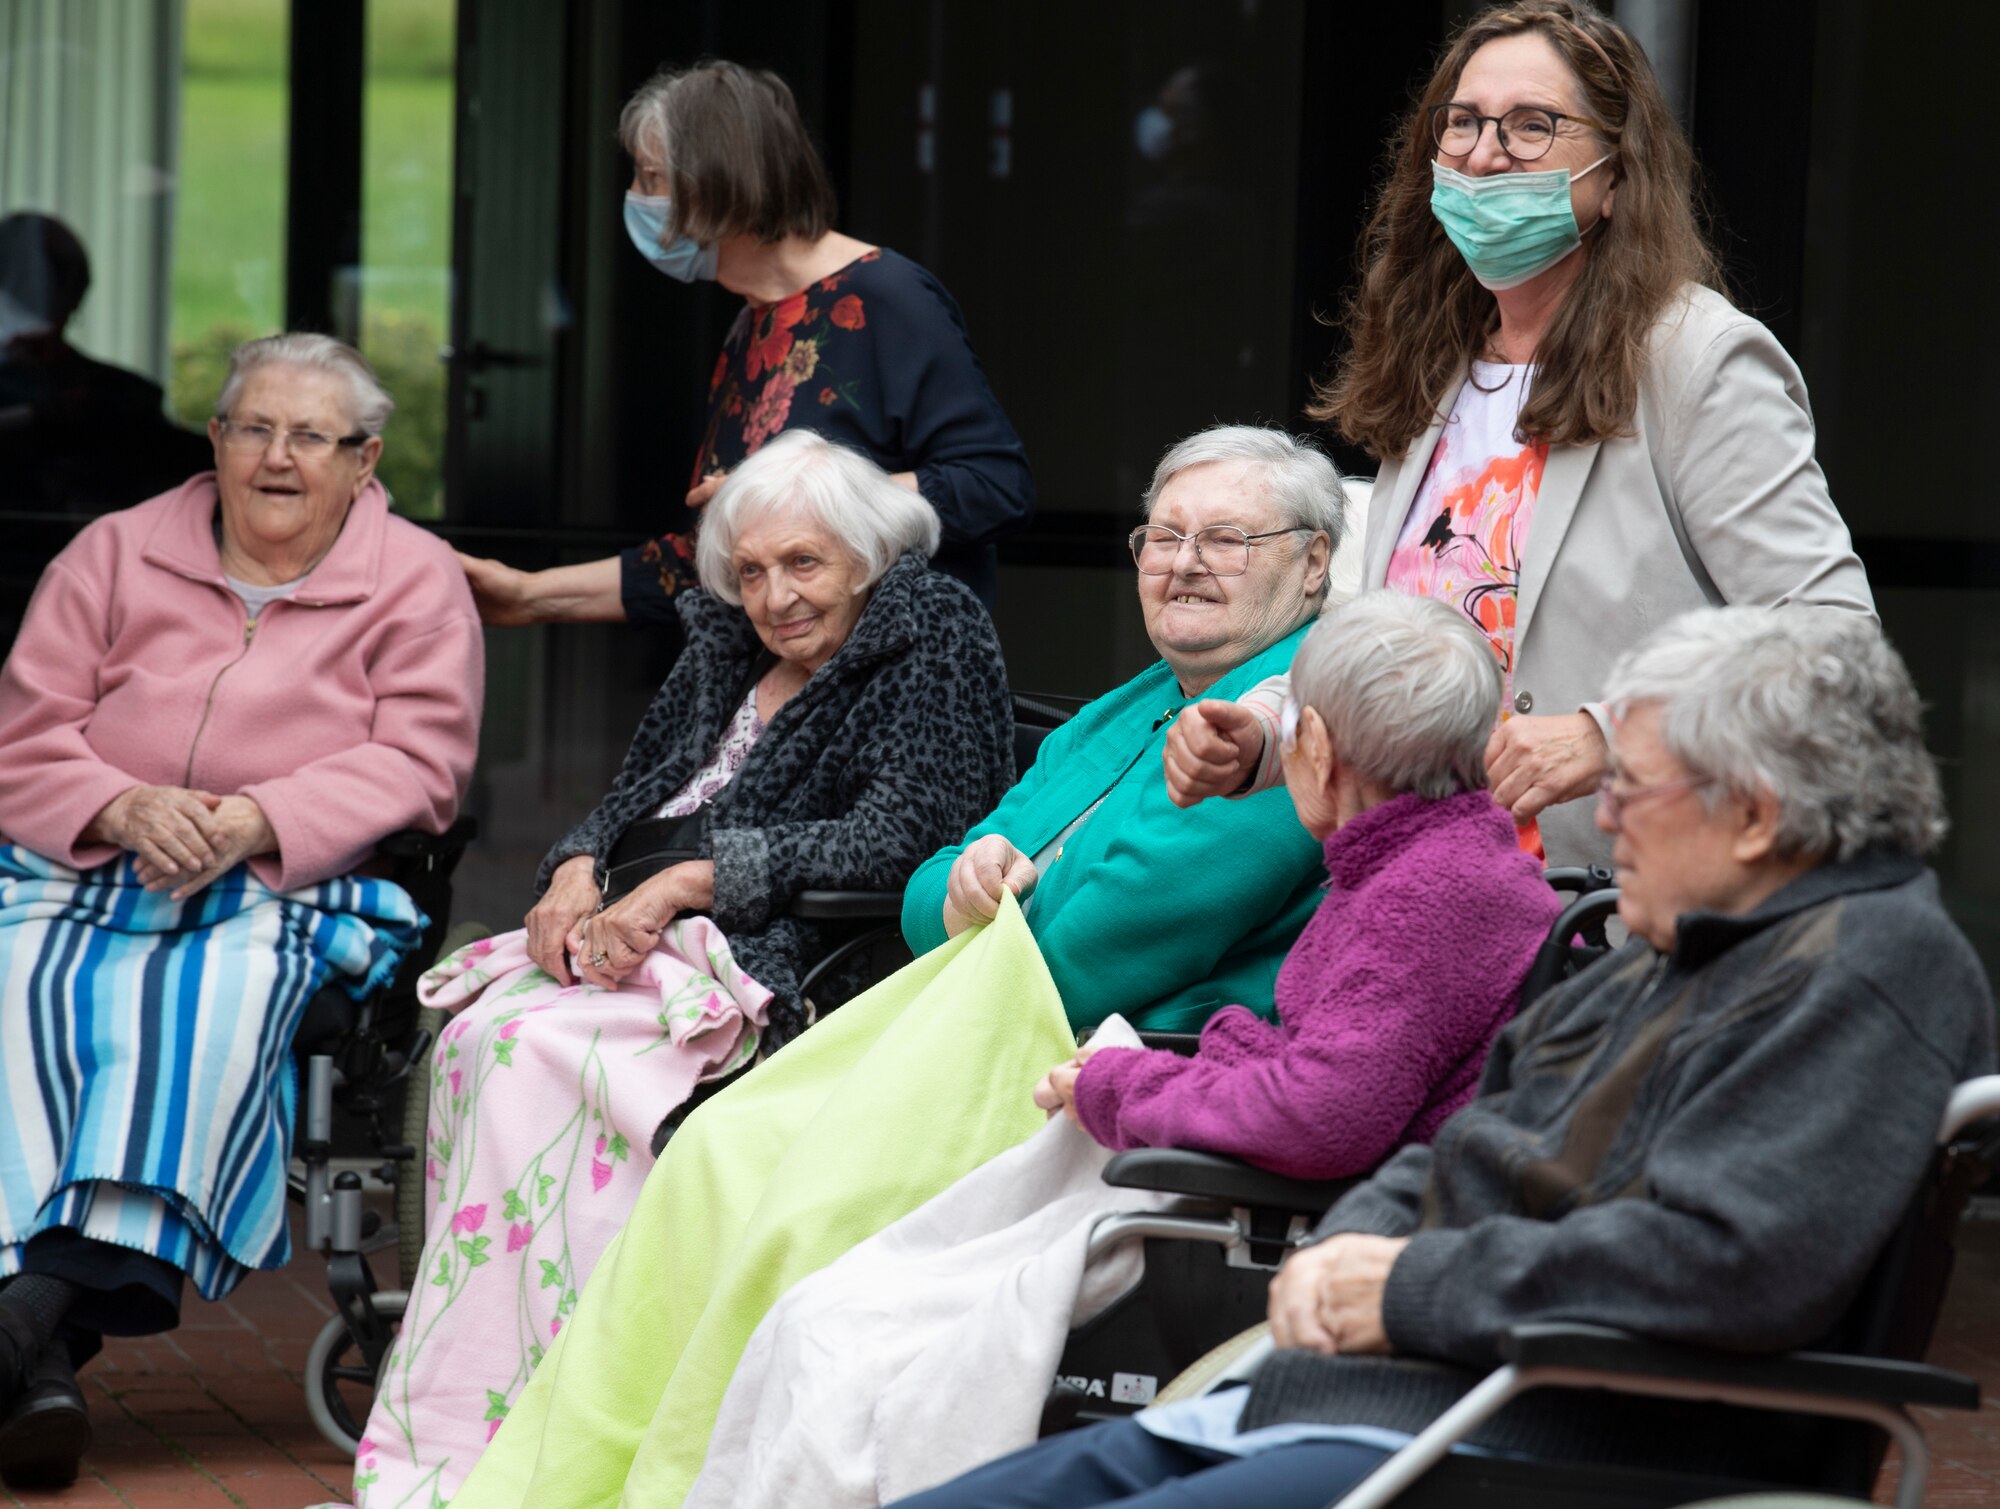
x=1415 y=959
x=218 y=702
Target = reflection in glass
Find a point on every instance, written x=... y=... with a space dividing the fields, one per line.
x=229 y=225
x=407 y=114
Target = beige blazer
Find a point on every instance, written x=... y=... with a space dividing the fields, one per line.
x=1715 y=498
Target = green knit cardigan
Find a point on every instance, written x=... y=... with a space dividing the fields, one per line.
x=1159 y=913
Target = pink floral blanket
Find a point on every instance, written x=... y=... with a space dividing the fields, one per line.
x=544 y=1099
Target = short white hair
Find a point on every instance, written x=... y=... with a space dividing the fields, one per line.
x=1408 y=690
x=876 y=518
x=1296 y=474
x=366 y=396
x=1812 y=705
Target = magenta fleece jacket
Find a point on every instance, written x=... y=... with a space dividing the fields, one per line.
x=352 y=711
x=1386 y=1005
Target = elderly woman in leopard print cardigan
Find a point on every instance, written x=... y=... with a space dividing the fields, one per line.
x=839 y=713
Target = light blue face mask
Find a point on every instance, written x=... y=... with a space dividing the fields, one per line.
x=646 y=217
x=1508 y=226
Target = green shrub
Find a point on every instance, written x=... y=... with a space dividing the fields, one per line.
x=403 y=349
x=199 y=366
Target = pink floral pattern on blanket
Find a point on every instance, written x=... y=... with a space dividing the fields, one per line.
x=543 y=1103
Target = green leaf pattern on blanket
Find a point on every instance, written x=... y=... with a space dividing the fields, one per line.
x=516 y=1234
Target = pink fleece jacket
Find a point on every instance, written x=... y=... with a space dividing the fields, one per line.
x=349 y=711
x=1386 y=1005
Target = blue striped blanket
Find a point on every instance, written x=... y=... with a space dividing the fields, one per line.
x=147 y=1092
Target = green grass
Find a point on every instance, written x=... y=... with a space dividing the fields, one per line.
x=228 y=282
x=229 y=231
x=244 y=37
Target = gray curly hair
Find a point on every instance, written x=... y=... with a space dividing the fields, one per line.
x=1809 y=704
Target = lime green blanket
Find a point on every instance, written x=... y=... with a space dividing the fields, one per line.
x=876 y=1109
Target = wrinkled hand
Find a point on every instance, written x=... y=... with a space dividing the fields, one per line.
x=1212 y=749
x=1328 y=1297
x=1056 y=1093
x=237 y=830
x=1533 y=763
x=169 y=828
x=629 y=929
x=504 y=596
x=572 y=896
x=986 y=869
x=705 y=489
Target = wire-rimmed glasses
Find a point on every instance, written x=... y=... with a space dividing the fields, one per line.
x=1223 y=548
x=310 y=444
x=1614 y=798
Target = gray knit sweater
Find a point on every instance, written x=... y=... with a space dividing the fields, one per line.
x=1707 y=1147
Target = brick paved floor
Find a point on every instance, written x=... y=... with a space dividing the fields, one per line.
x=214 y=1415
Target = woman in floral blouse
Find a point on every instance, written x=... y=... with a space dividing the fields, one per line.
x=837 y=336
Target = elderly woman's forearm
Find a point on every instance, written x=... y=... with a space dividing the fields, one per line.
x=586 y=593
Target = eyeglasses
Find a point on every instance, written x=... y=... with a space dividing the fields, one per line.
x=1614 y=799
x=1223 y=548
x=307 y=444
x=1526 y=132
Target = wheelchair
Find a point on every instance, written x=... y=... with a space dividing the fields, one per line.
x=1863 y=1393
x=1211 y=1254
x=373 y=1061
x=869 y=923
x=369 y=1059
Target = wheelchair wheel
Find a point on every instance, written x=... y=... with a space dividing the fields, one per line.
x=340 y=1388
x=416 y=1128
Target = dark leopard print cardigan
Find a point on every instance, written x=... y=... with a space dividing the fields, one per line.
x=898 y=744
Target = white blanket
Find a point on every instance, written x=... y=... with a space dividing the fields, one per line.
x=929 y=1348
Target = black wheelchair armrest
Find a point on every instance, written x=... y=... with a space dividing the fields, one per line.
x=1579 y=880
x=1601 y=1349
x=413 y=843
x=1212 y=1176
x=846 y=906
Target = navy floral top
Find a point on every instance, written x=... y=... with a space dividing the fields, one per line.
x=874 y=357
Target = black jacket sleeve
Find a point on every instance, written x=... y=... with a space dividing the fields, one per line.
x=970 y=464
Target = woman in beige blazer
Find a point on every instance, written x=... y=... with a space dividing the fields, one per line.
x=1580 y=438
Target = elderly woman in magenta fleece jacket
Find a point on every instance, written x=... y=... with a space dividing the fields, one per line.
x=1414 y=959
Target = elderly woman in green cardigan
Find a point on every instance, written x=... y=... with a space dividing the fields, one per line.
x=1139 y=907
x=1127 y=904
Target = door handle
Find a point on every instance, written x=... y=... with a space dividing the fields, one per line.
x=480 y=356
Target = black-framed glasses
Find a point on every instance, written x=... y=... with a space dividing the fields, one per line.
x=1223 y=548
x=311 y=444
x=1526 y=132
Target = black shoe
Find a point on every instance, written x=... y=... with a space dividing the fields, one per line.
x=44 y=1436
x=19 y=1347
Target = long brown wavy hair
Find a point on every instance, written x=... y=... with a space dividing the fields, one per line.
x=1418 y=316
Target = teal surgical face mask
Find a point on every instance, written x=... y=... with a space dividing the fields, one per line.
x=646 y=219
x=1508 y=226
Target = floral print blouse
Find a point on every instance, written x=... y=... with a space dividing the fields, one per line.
x=1468 y=525
x=1467 y=528
x=731 y=750
x=874 y=357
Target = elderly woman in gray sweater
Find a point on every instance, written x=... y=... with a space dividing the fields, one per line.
x=1706 y=1137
